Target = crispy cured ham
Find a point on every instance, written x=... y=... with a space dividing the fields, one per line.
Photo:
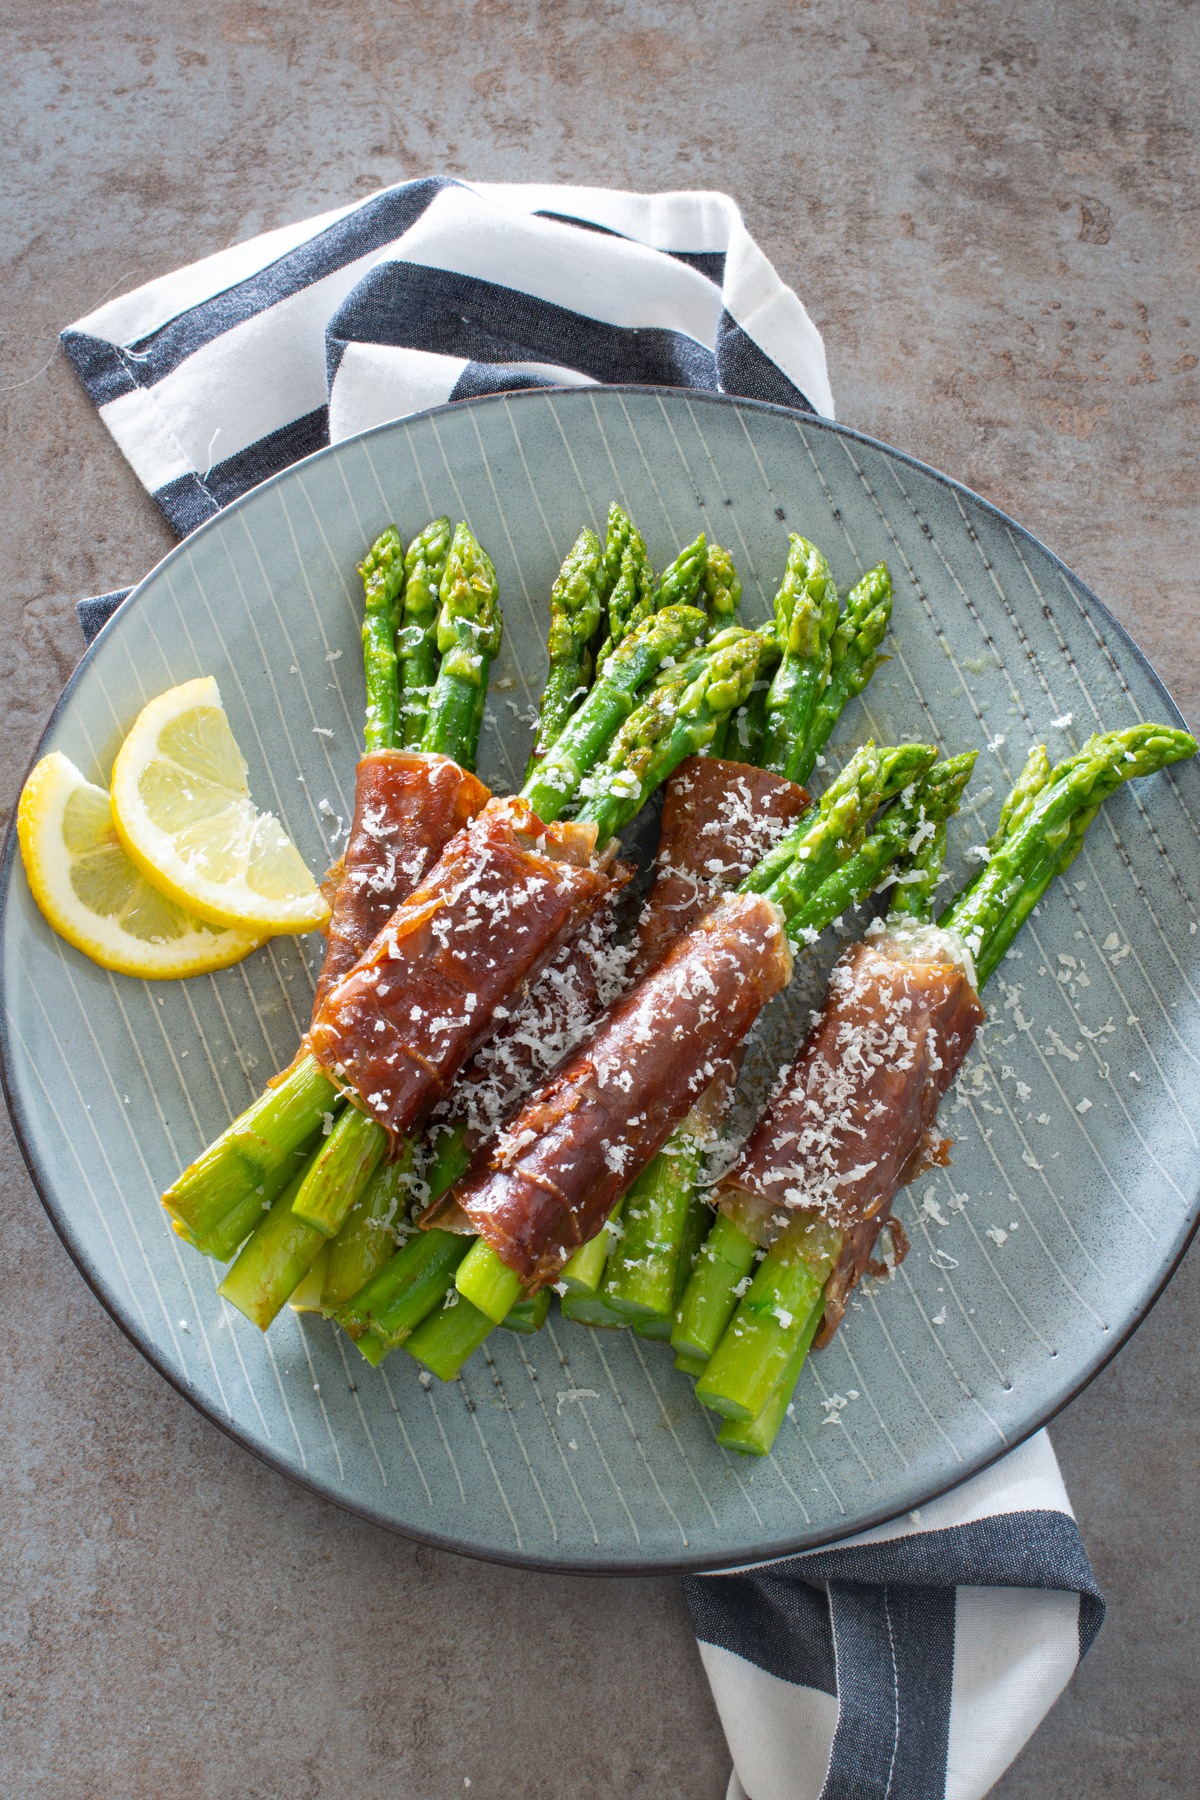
x=855 y=1116
x=407 y=807
x=547 y=1182
x=498 y=904
x=719 y=820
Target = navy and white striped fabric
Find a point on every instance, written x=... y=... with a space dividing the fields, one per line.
x=221 y=374
x=912 y=1662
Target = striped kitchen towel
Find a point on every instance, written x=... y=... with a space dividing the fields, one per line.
x=912 y=1662
x=225 y=372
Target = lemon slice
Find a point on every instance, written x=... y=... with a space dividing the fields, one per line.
x=96 y=897
x=184 y=813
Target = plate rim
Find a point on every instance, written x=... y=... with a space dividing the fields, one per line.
x=803 y=1542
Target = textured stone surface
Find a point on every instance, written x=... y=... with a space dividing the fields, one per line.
x=991 y=213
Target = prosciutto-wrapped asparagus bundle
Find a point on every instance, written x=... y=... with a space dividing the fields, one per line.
x=854 y=1118
x=549 y=1180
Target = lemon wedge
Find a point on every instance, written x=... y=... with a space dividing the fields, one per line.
x=96 y=897
x=184 y=813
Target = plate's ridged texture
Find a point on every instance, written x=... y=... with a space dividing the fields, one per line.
x=582 y=1449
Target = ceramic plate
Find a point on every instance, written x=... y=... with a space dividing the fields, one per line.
x=1072 y=1192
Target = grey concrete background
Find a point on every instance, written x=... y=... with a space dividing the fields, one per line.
x=992 y=215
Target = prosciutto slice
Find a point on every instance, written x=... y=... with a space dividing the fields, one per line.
x=855 y=1116
x=719 y=819
x=407 y=807
x=547 y=1182
x=500 y=901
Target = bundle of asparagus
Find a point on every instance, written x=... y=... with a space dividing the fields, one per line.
x=449 y=608
x=852 y=1123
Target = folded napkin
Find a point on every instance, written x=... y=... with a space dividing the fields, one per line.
x=909 y=1663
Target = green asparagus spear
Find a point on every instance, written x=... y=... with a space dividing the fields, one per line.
x=444 y=1340
x=627 y=581
x=340 y=1171
x=756 y=1437
x=1026 y=788
x=584 y=1271
x=468 y=636
x=720 y=587
x=576 y=604
x=593 y=1310
x=230 y=1234
x=273 y=1262
x=992 y=908
x=590 y=731
x=826 y=839
x=669 y=725
x=392 y=1304
x=640 y=1279
x=853 y=659
x=367 y=1241
x=806 y=614
x=382 y=571
x=920 y=866
x=679 y=583
x=527 y=1316
x=416 y=645
x=756 y=1346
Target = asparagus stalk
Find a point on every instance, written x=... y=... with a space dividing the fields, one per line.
x=528 y=1316
x=698 y=1218
x=590 y=731
x=806 y=614
x=584 y=1271
x=469 y=629
x=392 y=1304
x=382 y=571
x=627 y=581
x=593 y=1310
x=640 y=1279
x=576 y=604
x=679 y=583
x=853 y=659
x=416 y=644
x=756 y=1437
x=249 y=1151
x=446 y=1338
x=226 y=1238
x=992 y=908
x=340 y=1171
x=274 y=1262
x=367 y=1240
x=669 y=725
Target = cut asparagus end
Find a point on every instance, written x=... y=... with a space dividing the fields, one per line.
x=711 y=1294
x=691 y=1365
x=584 y=1271
x=252 y=1148
x=753 y=1353
x=273 y=1262
x=307 y=1296
x=225 y=1239
x=590 y=1309
x=488 y=1283
x=344 y=1165
x=406 y=1290
x=756 y=1437
x=445 y=1340
x=528 y=1315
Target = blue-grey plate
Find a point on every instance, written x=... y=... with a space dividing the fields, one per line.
x=1072 y=1192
